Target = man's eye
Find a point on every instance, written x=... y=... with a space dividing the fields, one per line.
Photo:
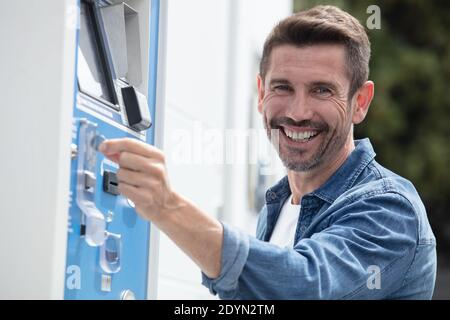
x=323 y=91
x=282 y=88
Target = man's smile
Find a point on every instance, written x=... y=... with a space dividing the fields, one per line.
x=301 y=135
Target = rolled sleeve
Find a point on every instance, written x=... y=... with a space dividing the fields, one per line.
x=375 y=230
x=235 y=249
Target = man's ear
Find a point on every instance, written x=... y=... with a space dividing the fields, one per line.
x=363 y=98
x=261 y=92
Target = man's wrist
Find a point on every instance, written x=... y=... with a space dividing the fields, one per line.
x=173 y=204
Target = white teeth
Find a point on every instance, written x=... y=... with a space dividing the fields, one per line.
x=299 y=135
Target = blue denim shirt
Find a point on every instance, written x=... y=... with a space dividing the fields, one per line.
x=364 y=234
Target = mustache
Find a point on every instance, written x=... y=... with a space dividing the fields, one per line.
x=276 y=123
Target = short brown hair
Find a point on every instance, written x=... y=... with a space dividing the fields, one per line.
x=324 y=25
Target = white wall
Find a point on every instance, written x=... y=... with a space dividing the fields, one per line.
x=212 y=58
x=37 y=80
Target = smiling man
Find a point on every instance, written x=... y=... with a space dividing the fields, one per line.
x=339 y=225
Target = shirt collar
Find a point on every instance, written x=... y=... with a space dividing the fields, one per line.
x=342 y=180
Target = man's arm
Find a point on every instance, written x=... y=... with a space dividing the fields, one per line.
x=379 y=228
x=143 y=179
x=372 y=232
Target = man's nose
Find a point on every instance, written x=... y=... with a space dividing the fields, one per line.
x=300 y=108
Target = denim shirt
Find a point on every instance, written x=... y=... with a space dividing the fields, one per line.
x=364 y=234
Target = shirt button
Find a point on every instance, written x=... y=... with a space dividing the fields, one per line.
x=302 y=229
x=271 y=195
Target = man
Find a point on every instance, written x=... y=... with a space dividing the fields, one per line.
x=339 y=225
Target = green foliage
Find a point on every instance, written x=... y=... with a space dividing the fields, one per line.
x=408 y=122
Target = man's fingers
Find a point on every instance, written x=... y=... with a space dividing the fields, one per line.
x=132 y=161
x=113 y=157
x=133 y=178
x=117 y=146
x=131 y=192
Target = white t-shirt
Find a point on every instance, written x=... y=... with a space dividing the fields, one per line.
x=284 y=232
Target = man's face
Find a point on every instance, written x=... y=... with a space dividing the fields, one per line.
x=304 y=95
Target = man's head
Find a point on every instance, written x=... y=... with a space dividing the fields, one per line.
x=313 y=82
x=324 y=25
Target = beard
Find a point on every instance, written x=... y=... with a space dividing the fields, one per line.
x=295 y=158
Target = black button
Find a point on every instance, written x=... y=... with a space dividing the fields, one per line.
x=134 y=113
x=271 y=195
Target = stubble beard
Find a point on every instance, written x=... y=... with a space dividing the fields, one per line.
x=326 y=150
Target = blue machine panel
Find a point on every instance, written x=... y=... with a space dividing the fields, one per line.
x=127 y=247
